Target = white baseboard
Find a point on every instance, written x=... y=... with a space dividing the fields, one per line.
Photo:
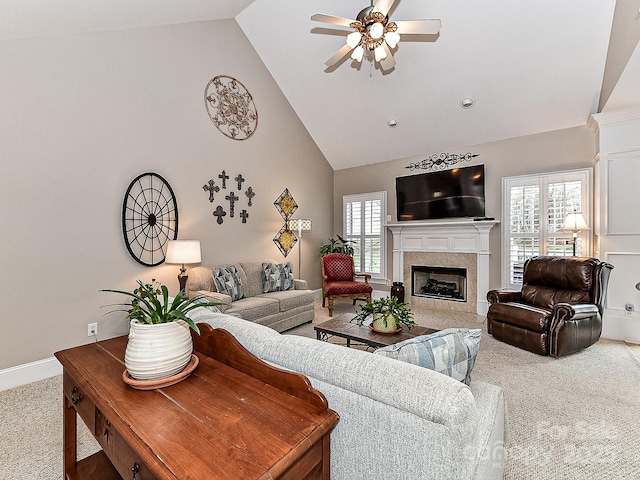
x=29 y=373
x=618 y=325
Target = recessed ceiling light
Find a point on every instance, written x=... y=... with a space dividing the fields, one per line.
x=467 y=102
x=393 y=123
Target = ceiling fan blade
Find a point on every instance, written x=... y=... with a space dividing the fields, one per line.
x=419 y=26
x=339 y=55
x=388 y=63
x=321 y=17
x=383 y=6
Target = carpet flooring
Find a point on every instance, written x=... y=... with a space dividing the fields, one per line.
x=569 y=418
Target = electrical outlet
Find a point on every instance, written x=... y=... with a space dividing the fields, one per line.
x=92 y=329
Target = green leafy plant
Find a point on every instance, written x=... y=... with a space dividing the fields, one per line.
x=389 y=308
x=150 y=304
x=337 y=245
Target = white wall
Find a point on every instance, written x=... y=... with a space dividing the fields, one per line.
x=618 y=219
x=82 y=116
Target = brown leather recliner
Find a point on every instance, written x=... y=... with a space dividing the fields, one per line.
x=559 y=308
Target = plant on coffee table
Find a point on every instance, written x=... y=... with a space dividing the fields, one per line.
x=387 y=314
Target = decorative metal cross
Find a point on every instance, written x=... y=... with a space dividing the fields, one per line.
x=212 y=188
x=244 y=214
x=239 y=179
x=232 y=197
x=250 y=193
x=224 y=178
x=219 y=213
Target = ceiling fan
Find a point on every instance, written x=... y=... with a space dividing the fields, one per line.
x=373 y=32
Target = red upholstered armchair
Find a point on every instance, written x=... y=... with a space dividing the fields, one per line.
x=559 y=309
x=338 y=280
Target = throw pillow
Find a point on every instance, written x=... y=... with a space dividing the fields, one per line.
x=277 y=277
x=228 y=282
x=452 y=352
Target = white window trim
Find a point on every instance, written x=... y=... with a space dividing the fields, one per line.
x=585 y=175
x=382 y=276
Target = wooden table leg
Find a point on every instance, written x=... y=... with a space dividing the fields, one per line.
x=69 y=436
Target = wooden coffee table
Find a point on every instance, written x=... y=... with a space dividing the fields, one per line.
x=341 y=326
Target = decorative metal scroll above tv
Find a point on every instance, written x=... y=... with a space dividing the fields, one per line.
x=441 y=161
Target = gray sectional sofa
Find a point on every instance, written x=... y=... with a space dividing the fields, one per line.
x=280 y=309
x=398 y=421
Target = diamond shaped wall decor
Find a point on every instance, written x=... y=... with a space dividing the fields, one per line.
x=285 y=204
x=285 y=240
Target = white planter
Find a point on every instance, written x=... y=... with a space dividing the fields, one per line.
x=157 y=351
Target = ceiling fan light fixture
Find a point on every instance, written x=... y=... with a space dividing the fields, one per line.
x=380 y=53
x=358 y=53
x=353 y=39
x=392 y=39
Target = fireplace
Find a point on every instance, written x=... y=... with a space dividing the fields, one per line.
x=459 y=243
x=444 y=283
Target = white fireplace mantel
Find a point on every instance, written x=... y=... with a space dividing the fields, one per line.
x=449 y=236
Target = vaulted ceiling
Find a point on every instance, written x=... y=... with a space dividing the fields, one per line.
x=530 y=67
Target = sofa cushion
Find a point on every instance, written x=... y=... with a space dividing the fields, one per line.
x=452 y=352
x=228 y=282
x=290 y=299
x=254 y=308
x=277 y=277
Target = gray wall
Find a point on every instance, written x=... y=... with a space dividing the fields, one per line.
x=81 y=117
x=544 y=152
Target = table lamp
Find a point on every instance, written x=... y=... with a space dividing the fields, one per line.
x=182 y=252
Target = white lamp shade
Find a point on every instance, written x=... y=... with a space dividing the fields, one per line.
x=300 y=224
x=358 y=53
x=183 y=251
x=353 y=39
x=575 y=222
x=392 y=39
x=376 y=30
x=380 y=53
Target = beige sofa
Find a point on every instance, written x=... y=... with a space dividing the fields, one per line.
x=280 y=310
x=398 y=421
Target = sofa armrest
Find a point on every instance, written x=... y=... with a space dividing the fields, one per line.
x=503 y=296
x=299 y=284
x=224 y=300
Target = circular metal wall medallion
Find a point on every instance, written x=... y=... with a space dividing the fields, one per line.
x=149 y=218
x=230 y=107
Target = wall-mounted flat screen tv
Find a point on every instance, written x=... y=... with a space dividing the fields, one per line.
x=454 y=193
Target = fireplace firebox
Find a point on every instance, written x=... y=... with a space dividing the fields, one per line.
x=445 y=283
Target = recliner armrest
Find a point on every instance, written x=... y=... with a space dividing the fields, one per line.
x=575 y=312
x=503 y=296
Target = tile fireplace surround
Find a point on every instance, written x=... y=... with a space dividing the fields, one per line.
x=457 y=243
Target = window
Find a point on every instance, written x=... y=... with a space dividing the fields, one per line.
x=364 y=216
x=534 y=210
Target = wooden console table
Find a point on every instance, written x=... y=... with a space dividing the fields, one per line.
x=234 y=417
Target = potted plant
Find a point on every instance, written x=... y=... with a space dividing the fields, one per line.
x=160 y=343
x=388 y=315
x=337 y=245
